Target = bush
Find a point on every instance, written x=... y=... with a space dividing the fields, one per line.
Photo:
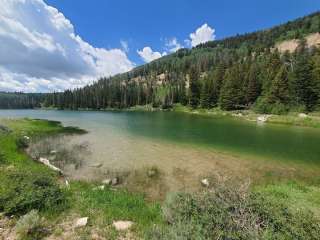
x=279 y=109
x=222 y=213
x=231 y=212
x=262 y=106
x=22 y=143
x=22 y=192
x=30 y=226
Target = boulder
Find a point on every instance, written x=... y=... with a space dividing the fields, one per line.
x=122 y=225
x=81 y=222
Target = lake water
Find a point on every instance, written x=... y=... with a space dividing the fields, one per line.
x=177 y=141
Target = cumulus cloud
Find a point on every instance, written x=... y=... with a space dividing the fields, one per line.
x=148 y=55
x=40 y=51
x=203 y=34
x=173 y=45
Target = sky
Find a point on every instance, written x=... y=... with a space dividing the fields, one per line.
x=52 y=45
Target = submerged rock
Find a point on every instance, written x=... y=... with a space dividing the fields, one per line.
x=205 y=182
x=98 y=165
x=122 y=225
x=48 y=164
x=53 y=152
x=152 y=172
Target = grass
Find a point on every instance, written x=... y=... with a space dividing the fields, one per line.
x=223 y=211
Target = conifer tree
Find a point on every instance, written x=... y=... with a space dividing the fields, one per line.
x=279 y=91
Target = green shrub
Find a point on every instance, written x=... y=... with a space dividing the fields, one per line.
x=279 y=108
x=20 y=192
x=234 y=213
x=281 y=220
x=222 y=213
x=22 y=143
x=262 y=106
x=30 y=226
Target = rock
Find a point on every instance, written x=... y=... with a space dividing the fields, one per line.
x=302 y=115
x=115 y=181
x=205 y=182
x=107 y=181
x=26 y=138
x=102 y=187
x=98 y=165
x=81 y=222
x=122 y=225
x=53 y=152
x=152 y=173
x=262 y=118
x=48 y=164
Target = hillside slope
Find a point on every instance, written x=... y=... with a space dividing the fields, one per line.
x=246 y=71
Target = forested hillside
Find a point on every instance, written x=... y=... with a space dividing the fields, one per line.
x=241 y=72
x=21 y=100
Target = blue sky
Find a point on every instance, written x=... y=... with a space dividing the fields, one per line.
x=150 y=23
x=53 y=45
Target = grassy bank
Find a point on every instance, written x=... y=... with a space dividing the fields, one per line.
x=37 y=203
x=26 y=185
x=292 y=118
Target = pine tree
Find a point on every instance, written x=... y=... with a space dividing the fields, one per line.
x=253 y=88
x=230 y=94
x=303 y=81
x=194 y=89
x=279 y=91
x=205 y=94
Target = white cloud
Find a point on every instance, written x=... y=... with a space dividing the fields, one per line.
x=203 y=34
x=148 y=55
x=173 y=45
x=39 y=50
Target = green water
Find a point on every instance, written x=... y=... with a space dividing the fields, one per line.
x=114 y=134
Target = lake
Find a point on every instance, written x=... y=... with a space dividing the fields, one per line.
x=193 y=144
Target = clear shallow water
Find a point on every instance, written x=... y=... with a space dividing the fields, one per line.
x=219 y=133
